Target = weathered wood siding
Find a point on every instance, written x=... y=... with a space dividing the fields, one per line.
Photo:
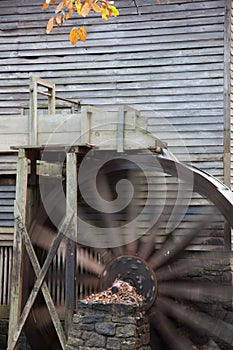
x=168 y=59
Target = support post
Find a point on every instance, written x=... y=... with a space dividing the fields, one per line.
x=86 y=113
x=16 y=281
x=71 y=205
x=33 y=117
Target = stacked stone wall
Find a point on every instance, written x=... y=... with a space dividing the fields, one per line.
x=109 y=327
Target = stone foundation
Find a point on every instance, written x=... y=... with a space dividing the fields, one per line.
x=109 y=326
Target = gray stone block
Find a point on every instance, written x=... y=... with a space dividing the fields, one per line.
x=106 y=328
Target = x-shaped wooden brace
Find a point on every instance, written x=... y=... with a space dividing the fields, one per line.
x=40 y=273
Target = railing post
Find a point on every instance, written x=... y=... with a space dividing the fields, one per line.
x=33 y=112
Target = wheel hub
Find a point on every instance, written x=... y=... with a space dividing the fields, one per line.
x=134 y=271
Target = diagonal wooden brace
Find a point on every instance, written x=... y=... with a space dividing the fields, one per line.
x=40 y=283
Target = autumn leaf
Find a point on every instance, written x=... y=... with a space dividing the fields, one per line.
x=68 y=4
x=46 y=4
x=74 y=36
x=95 y=7
x=69 y=14
x=50 y=25
x=65 y=9
x=82 y=34
x=59 y=20
x=59 y=7
x=85 y=9
x=78 y=6
x=105 y=13
x=113 y=10
x=44 y=7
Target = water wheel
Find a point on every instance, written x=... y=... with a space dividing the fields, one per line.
x=138 y=220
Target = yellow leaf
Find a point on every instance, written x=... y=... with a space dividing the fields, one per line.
x=82 y=34
x=113 y=10
x=105 y=13
x=78 y=6
x=50 y=25
x=74 y=35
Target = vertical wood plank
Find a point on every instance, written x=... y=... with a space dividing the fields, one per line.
x=72 y=202
x=86 y=115
x=52 y=100
x=9 y=275
x=120 y=129
x=33 y=113
x=16 y=281
x=5 y=273
x=227 y=112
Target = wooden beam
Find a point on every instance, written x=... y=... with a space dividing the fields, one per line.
x=33 y=113
x=40 y=274
x=71 y=205
x=16 y=279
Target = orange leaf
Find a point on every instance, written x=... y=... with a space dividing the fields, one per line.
x=44 y=7
x=95 y=7
x=69 y=14
x=54 y=2
x=82 y=34
x=74 y=35
x=59 y=7
x=86 y=8
x=70 y=4
x=50 y=25
x=59 y=20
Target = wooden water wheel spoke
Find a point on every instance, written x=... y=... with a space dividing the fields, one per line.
x=205 y=291
x=87 y=262
x=105 y=254
x=178 y=241
x=197 y=320
x=168 y=332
